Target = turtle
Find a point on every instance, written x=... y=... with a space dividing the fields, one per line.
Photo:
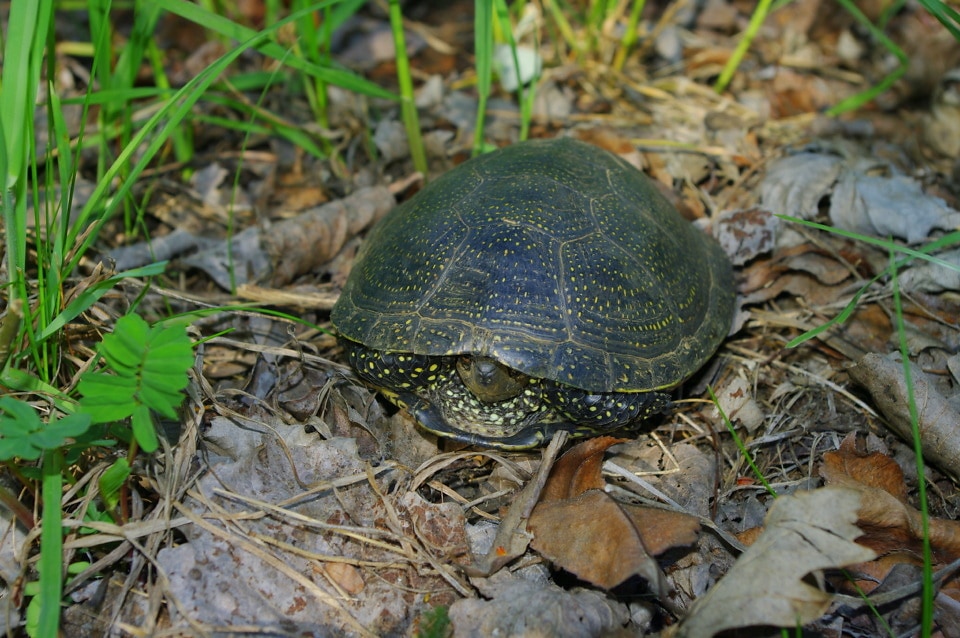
x=543 y=287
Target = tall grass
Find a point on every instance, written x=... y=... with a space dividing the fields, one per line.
x=45 y=244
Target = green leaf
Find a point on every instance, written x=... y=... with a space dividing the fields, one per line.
x=56 y=433
x=144 y=430
x=26 y=436
x=112 y=481
x=124 y=347
x=18 y=447
x=23 y=413
x=16 y=427
x=70 y=426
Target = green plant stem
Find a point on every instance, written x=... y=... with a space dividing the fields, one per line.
x=566 y=31
x=525 y=95
x=50 y=566
x=408 y=108
x=741 y=445
x=863 y=97
x=926 y=609
x=483 y=47
x=756 y=21
x=629 y=35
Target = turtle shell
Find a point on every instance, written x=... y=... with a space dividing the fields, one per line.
x=553 y=257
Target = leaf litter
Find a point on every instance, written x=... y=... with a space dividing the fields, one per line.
x=295 y=501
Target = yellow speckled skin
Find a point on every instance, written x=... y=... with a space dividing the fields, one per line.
x=553 y=257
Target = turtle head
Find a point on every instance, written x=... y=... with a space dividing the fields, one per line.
x=490 y=380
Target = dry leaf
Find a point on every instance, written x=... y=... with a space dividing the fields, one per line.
x=795 y=185
x=592 y=537
x=926 y=276
x=293 y=246
x=867 y=196
x=347 y=577
x=578 y=470
x=891 y=526
x=876 y=205
x=873 y=469
x=520 y=607
x=581 y=529
x=804 y=532
x=883 y=378
x=744 y=234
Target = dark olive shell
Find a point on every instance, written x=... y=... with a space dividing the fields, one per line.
x=554 y=257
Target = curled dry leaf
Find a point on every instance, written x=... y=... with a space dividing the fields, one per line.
x=892 y=527
x=293 y=246
x=738 y=403
x=884 y=379
x=578 y=470
x=744 y=234
x=520 y=607
x=804 y=532
x=875 y=205
x=795 y=184
x=580 y=528
x=866 y=196
x=802 y=270
x=926 y=276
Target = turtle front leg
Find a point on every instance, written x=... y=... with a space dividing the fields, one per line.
x=396 y=372
x=596 y=412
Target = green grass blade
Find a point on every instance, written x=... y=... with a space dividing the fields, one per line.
x=949 y=239
x=741 y=445
x=408 y=107
x=90 y=296
x=349 y=81
x=926 y=614
x=743 y=45
x=27 y=27
x=170 y=116
x=629 y=35
x=50 y=566
x=945 y=14
x=525 y=94
x=483 y=48
x=863 y=97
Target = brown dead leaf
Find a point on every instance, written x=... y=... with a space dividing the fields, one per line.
x=347 y=577
x=749 y=536
x=662 y=530
x=804 y=532
x=803 y=271
x=872 y=469
x=884 y=379
x=583 y=530
x=891 y=527
x=578 y=470
x=592 y=537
